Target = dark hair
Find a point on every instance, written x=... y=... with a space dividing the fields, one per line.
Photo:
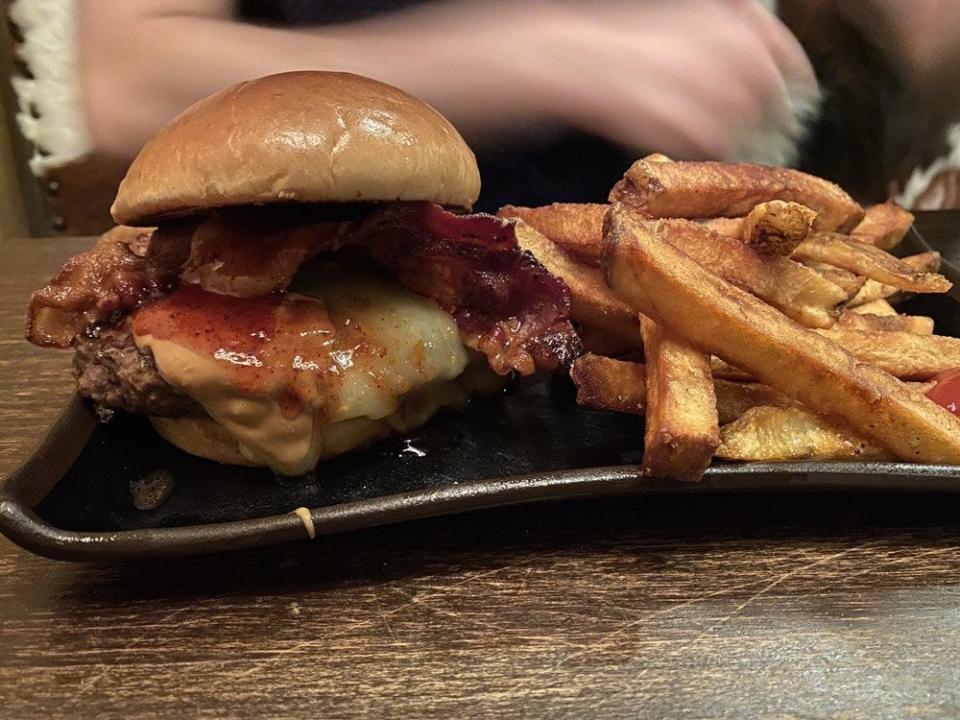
x=867 y=136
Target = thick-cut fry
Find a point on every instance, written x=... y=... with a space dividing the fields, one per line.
x=593 y=303
x=610 y=384
x=916 y=324
x=682 y=430
x=576 y=227
x=883 y=225
x=722 y=369
x=735 y=398
x=775 y=434
x=777 y=227
x=904 y=354
x=715 y=316
x=792 y=288
x=731 y=227
x=872 y=290
x=712 y=189
x=869 y=261
x=875 y=307
x=846 y=280
x=621 y=386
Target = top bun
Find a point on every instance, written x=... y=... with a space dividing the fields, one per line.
x=299 y=137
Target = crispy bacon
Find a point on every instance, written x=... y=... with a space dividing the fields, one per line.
x=506 y=304
x=234 y=254
x=125 y=268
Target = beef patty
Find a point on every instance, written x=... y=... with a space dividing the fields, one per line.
x=113 y=372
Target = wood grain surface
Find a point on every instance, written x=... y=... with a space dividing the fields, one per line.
x=730 y=606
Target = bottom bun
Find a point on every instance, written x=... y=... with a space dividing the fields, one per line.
x=201 y=436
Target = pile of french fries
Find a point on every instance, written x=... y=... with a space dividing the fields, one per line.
x=749 y=313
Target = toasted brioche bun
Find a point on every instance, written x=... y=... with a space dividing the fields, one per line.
x=200 y=436
x=299 y=137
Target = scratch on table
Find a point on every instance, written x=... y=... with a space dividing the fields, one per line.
x=606 y=639
x=763 y=591
x=953 y=549
x=385 y=617
x=428 y=597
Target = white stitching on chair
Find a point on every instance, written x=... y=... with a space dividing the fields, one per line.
x=49 y=49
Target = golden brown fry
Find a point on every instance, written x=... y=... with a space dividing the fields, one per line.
x=682 y=430
x=593 y=303
x=873 y=290
x=777 y=227
x=576 y=227
x=712 y=189
x=916 y=324
x=657 y=157
x=731 y=227
x=883 y=225
x=610 y=384
x=621 y=386
x=716 y=317
x=875 y=307
x=903 y=354
x=869 y=261
x=735 y=398
x=795 y=290
x=844 y=279
x=722 y=369
x=776 y=434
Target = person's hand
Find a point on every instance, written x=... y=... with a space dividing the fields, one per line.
x=689 y=78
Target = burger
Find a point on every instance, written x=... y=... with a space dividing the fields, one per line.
x=294 y=275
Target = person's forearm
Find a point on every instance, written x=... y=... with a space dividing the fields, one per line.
x=153 y=65
x=688 y=78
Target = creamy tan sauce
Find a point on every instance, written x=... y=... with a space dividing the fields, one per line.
x=385 y=361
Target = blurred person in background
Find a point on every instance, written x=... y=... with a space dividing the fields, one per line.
x=888 y=69
x=557 y=97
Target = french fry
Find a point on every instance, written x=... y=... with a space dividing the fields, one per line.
x=712 y=189
x=576 y=227
x=722 y=369
x=846 y=280
x=682 y=430
x=901 y=352
x=657 y=157
x=735 y=398
x=714 y=316
x=777 y=227
x=797 y=291
x=593 y=303
x=731 y=227
x=872 y=290
x=916 y=324
x=609 y=384
x=905 y=355
x=776 y=434
x=869 y=261
x=621 y=386
x=875 y=307
x=883 y=226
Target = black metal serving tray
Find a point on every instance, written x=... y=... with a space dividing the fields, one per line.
x=72 y=498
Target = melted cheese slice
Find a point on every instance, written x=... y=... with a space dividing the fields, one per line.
x=398 y=374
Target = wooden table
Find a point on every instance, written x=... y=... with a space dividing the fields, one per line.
x=724 y=607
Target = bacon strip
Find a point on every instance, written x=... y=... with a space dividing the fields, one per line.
x=506 y=304
x=124 y=269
